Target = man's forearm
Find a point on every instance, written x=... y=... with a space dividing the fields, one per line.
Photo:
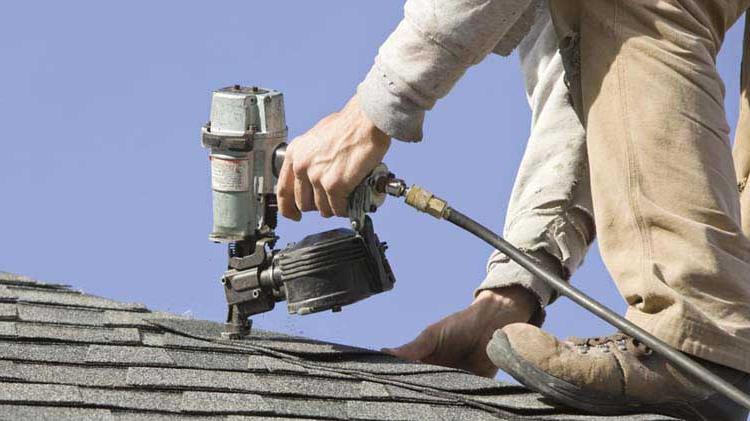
x=549 y=214
x=429 y=51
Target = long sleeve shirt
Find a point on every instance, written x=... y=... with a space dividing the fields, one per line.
x=549 y=215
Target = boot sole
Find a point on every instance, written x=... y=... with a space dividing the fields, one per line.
x=571 y=395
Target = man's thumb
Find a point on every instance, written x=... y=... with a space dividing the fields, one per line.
x=418 y=349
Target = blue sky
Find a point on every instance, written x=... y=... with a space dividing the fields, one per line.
x=105 y=186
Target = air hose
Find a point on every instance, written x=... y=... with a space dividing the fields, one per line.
x=425 y=201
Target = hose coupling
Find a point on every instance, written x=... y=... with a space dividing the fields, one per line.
x=424 y=201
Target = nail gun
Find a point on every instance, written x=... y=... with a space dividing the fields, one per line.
x=246 y=136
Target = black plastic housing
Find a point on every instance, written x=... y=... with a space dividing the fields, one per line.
x=334 y=268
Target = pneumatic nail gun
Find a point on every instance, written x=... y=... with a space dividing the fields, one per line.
x=246 y=136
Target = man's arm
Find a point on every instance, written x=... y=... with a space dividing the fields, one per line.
x=549 y=216
x=550 y=212
x=418 y=64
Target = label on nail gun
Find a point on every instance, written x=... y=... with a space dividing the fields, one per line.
x=230 y=174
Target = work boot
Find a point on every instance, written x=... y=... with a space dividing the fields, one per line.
x=611 y=375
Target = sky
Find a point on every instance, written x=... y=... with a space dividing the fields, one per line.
x=105 y=186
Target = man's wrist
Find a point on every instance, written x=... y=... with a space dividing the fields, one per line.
x=378 y=137
x=507 y=304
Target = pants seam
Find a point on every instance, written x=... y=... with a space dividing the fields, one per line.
x=633 y=177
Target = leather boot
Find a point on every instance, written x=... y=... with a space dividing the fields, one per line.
x=611 y=375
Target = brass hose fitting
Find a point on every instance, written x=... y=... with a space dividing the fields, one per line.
x=424 y=201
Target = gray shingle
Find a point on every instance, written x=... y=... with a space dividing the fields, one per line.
x=71 y=374
x=361 y=410
x=8 y=371
x=264 y=418
x=308 y=408
x=170 y=340
x=134 y=318
x=60 y=314
x=128 y=355
x=331 y=374
x=306 y=348
x=43 y=352
x=560 y=415
x=8 y=311
x=212 y=402
x=372 y=390
x=7 y=278
x=384 y=364
x=403 y=394
x=7 y=295
x=455 y=382
x=68 y=298
x=150 y=416
x=191 y=327
x=308 y=386
x=469 y=414
x=39 y=393
x=8 y=329
x=69 y=333
x=191 y=378
x=526 y=401
x=132 y=399
x=240 y=382
x=53 y=413
x=209 y=360
x=273 y=365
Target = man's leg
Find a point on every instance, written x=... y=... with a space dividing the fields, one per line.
x=666 y=206
x=665 y=194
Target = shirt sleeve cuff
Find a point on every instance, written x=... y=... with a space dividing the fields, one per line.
x=393 y=114
x=504 y=272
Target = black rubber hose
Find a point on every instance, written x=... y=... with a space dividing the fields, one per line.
x=677 y=358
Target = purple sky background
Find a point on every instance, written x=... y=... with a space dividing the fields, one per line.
x=104 y=184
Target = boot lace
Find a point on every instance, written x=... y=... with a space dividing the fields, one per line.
x=619 y=340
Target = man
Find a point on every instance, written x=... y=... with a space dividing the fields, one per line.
x=666 y=201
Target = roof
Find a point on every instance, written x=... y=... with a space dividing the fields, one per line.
x=69 y=355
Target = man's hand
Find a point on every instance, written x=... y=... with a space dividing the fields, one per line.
x=323 y=166
x=460 y=340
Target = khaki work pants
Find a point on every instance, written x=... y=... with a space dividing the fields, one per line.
x=643 y=77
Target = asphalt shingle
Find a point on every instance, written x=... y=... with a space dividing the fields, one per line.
x=83 y=334
x=59 y=314
x=129 y=355
x=43 y=352
x=68 y=298
x=219 y=403
x=40 y=393
x=8 y=311
x=209 y=360
x=72 y=374
x=133 y=399
x=54 y=413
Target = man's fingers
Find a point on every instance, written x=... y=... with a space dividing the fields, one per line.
x=285 y=191
x=321 y=201
x=418 y=349
x=303 y=193
x=336 y=191
x=339 y=205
